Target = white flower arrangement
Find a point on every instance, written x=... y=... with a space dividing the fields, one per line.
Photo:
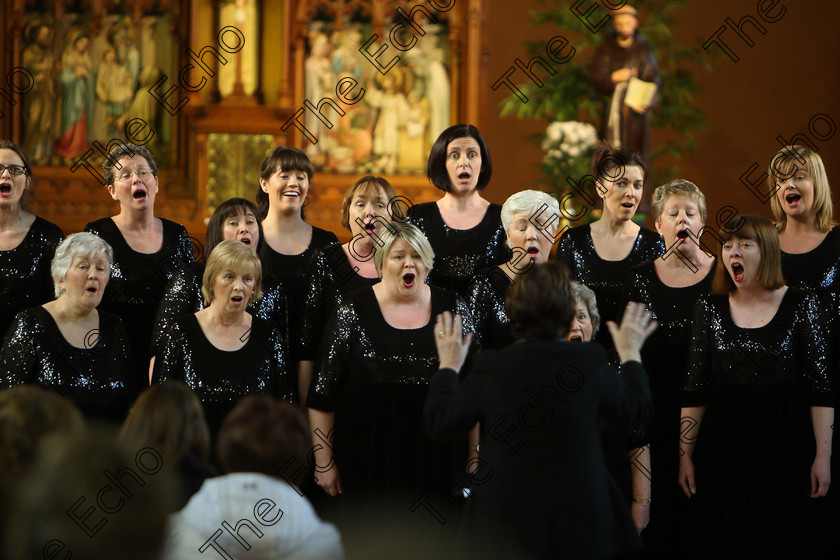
x=568 y=147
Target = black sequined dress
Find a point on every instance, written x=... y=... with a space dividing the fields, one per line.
x=605 y=278
x=487 y=300
x=461 y=253
x=330 y=279
x=664 y=356
x=221 y=378
x=184 y=297
x=375 y=378
x=25 y=278
x=756 y=443
x=95 y=378
x=139 y=280
x=289 y=271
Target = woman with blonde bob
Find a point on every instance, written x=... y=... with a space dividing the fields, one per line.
x=374 y=371
x=758 y=395
x=223 y=352
x=70 y=346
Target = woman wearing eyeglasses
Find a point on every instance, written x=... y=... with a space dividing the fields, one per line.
x=148 y=251
x=27 y=242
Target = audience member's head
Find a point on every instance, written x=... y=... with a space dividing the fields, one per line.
x=169 y=417
x=93 y=497
x=263 y=435
x=541 y=305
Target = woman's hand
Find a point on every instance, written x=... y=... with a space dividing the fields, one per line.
x=329 y=481
x=452 y=348
x=636 y=327
x=820 y=476
x=686 y=477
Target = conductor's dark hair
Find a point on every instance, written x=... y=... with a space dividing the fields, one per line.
x=608 y=163
x=436 y=167
x=286 y=159
x=541 y=303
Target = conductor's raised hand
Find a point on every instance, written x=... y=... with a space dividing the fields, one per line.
x=452 y=347
x=636 y=326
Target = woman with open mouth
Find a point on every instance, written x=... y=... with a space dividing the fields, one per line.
x=27 y=242
x=68 y=345
x=289 y=242
x=236 y=219
x=223 y=352
x=669 y=286
x=755 y=427
x=464 y=229
x=337 y=270
x=600 y=254
x=148 y=251
x=372 y=378
x=530 y=235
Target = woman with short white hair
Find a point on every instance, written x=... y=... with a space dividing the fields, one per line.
x=530 y=221
x=68 y=345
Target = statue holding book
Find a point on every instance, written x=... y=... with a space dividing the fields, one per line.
x=624 y=67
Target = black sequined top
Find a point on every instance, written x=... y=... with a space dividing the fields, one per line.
x=788 y=351
x=664 y=356
x=139 y=280
x=605 y=278
x=756 y=441
x=818 y=270
x=289 y=271
x=461 y=253
x=329 y=279
x=487 y=299
x=25 y=278
x=95 y=378
x=184 y=297
x=220 y=378
x=375 y=378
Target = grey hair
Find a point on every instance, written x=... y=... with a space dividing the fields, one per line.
x=586 y=296
x=538 y=204
x=82 y=244
x=413 y=237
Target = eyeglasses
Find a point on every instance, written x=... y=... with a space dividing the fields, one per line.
x=142 y=174
x=14 y=170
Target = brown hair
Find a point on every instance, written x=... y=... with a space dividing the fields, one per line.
x=606 y=159
x=285 y=159
x=365 y=187
x=762 y=231
x=125 y=151
x=540 y=304
x=225 y=210
x=169 y=417
x=263 y=435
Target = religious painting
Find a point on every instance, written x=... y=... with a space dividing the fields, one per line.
x=91 y=76
x=391 y=129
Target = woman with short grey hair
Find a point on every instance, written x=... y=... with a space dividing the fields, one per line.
x=68 y=345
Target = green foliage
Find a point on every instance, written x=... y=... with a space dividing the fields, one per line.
x=567 y=95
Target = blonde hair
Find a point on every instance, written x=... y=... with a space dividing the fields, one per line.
x=413 y=237
x=677 y=187
x=782 y=166
x=231 y=255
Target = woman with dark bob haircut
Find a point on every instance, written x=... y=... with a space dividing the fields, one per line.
x=538 y=403
x=464 y=229
x=262 y=448
x=758 y=395
x=236 y=218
